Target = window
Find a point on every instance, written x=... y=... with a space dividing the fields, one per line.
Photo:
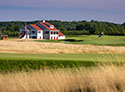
x=39 y=31
x=56 y=32
x=33 y=32
x=51 y=32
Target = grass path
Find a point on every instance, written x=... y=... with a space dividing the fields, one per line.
x=71 y=57
x=26 y=62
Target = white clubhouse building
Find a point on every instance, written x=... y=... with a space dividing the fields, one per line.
x=41 y=30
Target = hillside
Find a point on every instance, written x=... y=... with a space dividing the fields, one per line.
x=11 y=28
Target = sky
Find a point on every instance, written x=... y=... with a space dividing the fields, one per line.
x=65 y=10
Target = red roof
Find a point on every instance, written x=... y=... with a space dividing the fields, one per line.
x=61 y=34
x=35 y=26
x=52 y=29
x=48 y=23
x=26 y=28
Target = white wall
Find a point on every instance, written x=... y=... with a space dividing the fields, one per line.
x=27 y=36
x=39 y=34
x=24 y=37
x=53 y=35
x=61 y=37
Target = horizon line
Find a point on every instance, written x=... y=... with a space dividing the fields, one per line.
x=58 y=20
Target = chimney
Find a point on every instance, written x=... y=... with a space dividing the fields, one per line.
x=44 y=21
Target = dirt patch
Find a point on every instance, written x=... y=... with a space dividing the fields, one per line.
x=29 y=46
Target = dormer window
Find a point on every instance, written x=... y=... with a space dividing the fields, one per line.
x=51 y=26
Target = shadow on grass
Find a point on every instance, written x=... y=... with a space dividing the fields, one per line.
x=73 y=40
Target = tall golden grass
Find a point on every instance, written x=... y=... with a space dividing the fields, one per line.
x=98 y=79
x=29 y=46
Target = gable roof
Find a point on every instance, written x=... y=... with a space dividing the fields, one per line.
x=25 y=27
x=36 y=27
x=50 y=25
x=45 y=25
x=61 y=34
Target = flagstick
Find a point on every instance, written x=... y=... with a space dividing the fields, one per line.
x=25 y=30
x=103 y=42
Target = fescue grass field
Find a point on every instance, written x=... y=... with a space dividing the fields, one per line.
x=99 y=79
x=92 y=39
x=63 y=72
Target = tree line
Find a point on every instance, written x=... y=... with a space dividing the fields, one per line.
x=84 y=27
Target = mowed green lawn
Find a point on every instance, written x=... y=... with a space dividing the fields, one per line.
x=25 y=62
x=61 y=57
x=92 y=39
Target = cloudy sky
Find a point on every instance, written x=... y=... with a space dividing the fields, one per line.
x=66 y=10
